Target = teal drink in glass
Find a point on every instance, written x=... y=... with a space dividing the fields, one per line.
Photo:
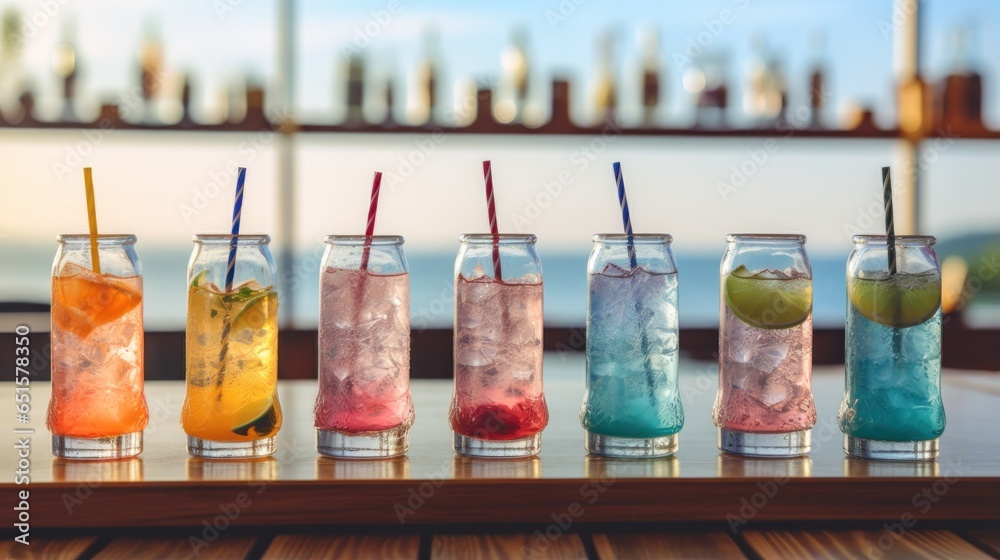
x=632 y=406
x=892 y=407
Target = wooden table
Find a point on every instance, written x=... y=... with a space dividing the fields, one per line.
x=562 y=504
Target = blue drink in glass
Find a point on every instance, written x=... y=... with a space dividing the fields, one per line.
x=892 y=407
x=632 y=406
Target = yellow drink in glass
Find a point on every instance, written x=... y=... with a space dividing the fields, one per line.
x=231 y=406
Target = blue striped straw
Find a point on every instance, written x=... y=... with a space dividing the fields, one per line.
x=230 y=273
x=626 y=220
x=237 y=212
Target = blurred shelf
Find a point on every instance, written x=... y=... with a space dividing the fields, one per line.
x=496 y=129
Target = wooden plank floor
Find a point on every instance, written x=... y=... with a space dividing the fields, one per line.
x=386 y=547
x=561 y=546
x=38 y=549
x=656 y=546
x=127 y=548
x=914 y=543
x=987 y=539
x=832 y=545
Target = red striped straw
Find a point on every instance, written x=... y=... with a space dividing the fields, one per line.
x=370 y=229
x=492 y=210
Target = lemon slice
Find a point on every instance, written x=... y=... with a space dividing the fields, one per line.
x=904 y=300
x=765 y=302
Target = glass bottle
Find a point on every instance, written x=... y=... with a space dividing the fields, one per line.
x=98 y=409
x=498 y=408
x=632 y=406
x=764 y=406
x=231 y=405
x=363 y=408
x=892 y=406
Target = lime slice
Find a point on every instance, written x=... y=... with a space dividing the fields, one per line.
x=767 y=302
x=904 y=300
x=263 y=424
x=196 y=282
x=256 y=311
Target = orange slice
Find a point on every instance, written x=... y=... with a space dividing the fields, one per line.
x=83 y=301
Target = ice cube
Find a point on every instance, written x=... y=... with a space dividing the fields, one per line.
x=773 y=393
x=612 y=269
x=760 y=358
x=521 y=370
x=473 y=356
x=920 y=344
x=340 y=371
x=660 y=339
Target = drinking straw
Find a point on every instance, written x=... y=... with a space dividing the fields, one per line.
x=890 y=232
x=626 y=220
x=231 y=271
x=627 y=223
x=890 y=245
x=372 y=209
x=88 y=181
x=237 y=212
x=492 y=210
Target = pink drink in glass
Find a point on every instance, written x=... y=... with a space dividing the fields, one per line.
x=364 y=354
x=768 y=374
x=764 y=406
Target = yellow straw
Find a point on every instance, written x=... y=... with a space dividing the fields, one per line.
x=88 y=180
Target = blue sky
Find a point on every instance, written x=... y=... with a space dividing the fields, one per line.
x=812 y=186
x=220 y=41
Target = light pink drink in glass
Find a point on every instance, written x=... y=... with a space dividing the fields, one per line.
x=364 y=406
x=768 y=373
x=764 y=406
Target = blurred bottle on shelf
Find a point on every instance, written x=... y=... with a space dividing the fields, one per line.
x=706 y=83
x=11 y=42
x=185 y=99
x=605 y=89
x=255 y=116
x=422 y=107
x=765 y=98
x=390 y=102
x=513 y=95
x=235 y=95
x=467 y=106
x=150 y=66
x=648 y=43
x=560 y=117
x=817 y=79
x=64 y=64
x=355 y=90
x=960 y=94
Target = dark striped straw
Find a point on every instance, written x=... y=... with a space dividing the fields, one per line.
x=890 y=230
x=370 y=228
x=231 y=271
x=492 y=210
x=626 y=220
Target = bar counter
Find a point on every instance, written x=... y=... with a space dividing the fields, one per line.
x=433 y=503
